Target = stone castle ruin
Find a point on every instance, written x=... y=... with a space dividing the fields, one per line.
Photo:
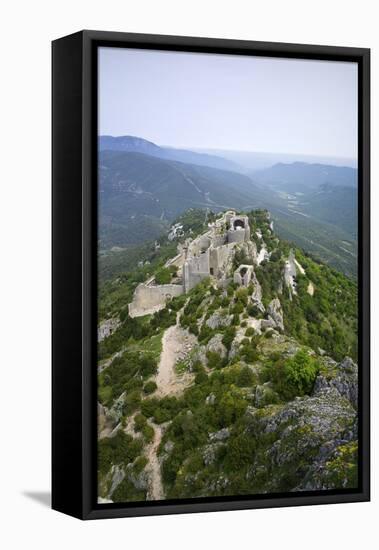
x=208 y=255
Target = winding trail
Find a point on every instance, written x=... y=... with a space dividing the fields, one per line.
x=176 y=343
x=155 y=491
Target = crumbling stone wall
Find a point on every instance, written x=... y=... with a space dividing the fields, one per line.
x=150 y=298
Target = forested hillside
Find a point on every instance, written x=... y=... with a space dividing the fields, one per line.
x=227 y=389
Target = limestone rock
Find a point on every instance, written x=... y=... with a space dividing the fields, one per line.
x=106 y=328
x=215 y=345
x=343 y=379
x=117 y=409
x=168 y=447
x=221 y=435
x=275 y=312
x=118 y=474
x=217 y=320
x=265 y=395
x=303 y=432
x=210 y=399
x=210 y=452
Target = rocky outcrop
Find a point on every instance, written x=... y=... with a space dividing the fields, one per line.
x=275 y=313
x=304 y=433
x=343 y=378
x=210 y=452
x=107 y=327
x=265 y=395
x=117 y=475
x=215 y=345
x=117 y=409
x=256 y=297
x=218 y=320
x=221 y=435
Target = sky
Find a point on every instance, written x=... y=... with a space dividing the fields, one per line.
x=242 y=103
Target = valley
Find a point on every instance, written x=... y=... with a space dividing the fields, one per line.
x=142 y=193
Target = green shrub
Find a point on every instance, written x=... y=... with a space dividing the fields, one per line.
x=139 y=464
x=201 y=377
x=139 y=422
x=236 y=320
x=205 y=334
x=148 y=433
x=126 y=492
x=148 y=406
x=163 y=276
x=240 y=452
x=245 y=377
x=237 y=308
x=295 y=376
x=214 y=360
x=132 y=401
x=194 y=329
x=120 y=449
x=149 y=387
x=229 y=335
x=253 y=311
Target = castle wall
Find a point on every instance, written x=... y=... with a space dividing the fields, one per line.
x=148 y=299
x=218 y=240
x=199 y=245
x=195 y=269
x=240 y=234
x=219 y=257
x=236 y=236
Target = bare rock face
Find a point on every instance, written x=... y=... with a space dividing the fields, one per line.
x=264 y=395
x=221 y=435
x=106 y=328
x=210 y=399
x=210 y=452
x=217 y=320
x=343 y=379
x=275 y=312
x=198 y=354
x=215 y=345
x=256 y=297
x=118 y=475
x=300 y=435
x=106 y=421
x=139 y=480
x=116 y=411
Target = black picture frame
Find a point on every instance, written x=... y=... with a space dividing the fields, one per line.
x=74 y=322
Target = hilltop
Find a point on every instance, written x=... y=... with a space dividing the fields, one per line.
x=227 y=366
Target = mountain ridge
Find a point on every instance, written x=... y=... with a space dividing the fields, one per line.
x=235 y=387
x=138 y=144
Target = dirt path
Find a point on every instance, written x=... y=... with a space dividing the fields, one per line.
x=155 y=491
x=176 y=343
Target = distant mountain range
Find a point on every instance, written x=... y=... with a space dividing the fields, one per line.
x=301 y=176
x=132 y=144
x=142 y=191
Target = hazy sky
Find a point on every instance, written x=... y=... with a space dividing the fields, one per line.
x=229 y=102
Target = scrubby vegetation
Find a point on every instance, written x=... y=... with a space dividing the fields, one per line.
x=247 y=422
